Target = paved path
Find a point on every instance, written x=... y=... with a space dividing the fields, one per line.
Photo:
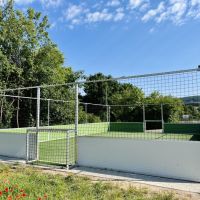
x=137 y=178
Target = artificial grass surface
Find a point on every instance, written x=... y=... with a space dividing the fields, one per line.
x=55 y=150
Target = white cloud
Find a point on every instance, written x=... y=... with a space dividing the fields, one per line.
x=113 y=3
x=177 y=10
x=22 y=2
x=135 y=3
x=91 y=12
x=195 y=2
x=49 y=3
x=153 y=12
x=73 y=11
x=46 y=3
x=144 y=6
x=99 y=16
x=194 y=11
x=119 y=15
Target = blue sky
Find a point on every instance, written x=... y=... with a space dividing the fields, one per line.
x=124 y=37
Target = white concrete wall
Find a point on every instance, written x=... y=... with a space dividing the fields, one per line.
x=13 y=145
x=172 y=159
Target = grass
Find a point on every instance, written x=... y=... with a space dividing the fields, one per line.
x=33 y=184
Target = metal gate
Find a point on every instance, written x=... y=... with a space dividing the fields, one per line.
x=153 y=117
x=51 y=146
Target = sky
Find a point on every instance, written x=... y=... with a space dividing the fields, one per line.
x=123 y=37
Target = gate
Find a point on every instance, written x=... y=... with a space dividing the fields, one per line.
x=153 y=117
x=51 y=146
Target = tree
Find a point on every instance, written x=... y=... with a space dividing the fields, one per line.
x=99 y=93
x=28 y=57
x=128 y=100
x=173 y=108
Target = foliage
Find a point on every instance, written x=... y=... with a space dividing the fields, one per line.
x=193 y=111
x=99 y=92
x=173 y=108
x=28 y=57
x=131 y=99
x=32 y=184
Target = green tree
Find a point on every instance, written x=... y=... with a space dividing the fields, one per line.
x=128 y=103
x=99 y=93
x=173 y=108
x=28 y=57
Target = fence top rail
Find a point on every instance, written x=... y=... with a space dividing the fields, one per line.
x=98 y=104
x=105 y=80
x=34 y=130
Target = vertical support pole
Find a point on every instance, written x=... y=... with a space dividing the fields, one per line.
x=144 y=119
x=48 y=116
x=27 y=146
x=76 y=120
x=108 y=108
x=162 y=118
x=76 y=108
x=38 y=120
x=68 y=151
x=48 y=112
x=38 y=109
x=86 y=117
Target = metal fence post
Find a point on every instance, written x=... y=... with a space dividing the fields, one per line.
x=48 y=116
x=108 y=109
x=144 y=119
x=76 y=120
x=27 y=146
x=48 y=112
x=86 y=117
x=38 y=120
x=107 y=113
x=162 y=117
x=76 y=108
x=68 y=151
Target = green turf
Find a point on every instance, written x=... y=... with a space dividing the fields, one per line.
x=55 y=150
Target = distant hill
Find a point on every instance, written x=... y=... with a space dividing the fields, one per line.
x=191 y=99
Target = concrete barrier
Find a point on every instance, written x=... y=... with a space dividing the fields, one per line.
x=13 y=145
x=171 y=159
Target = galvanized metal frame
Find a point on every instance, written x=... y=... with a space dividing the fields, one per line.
x=105 y=80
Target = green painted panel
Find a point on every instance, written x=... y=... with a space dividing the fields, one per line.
x=126 y=127
x=182 y=128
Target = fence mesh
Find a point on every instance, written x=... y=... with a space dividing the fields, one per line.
x=164 y=106
x=51 y=146
x=154 y=106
